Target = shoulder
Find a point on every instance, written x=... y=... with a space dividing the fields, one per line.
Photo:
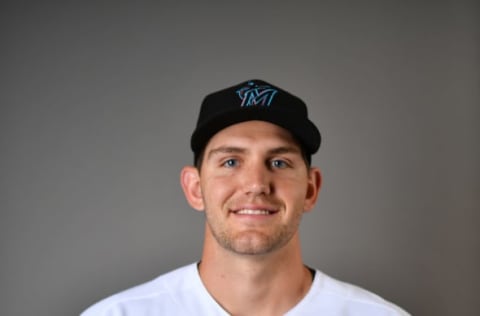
x=334 y=297
x=153 y=295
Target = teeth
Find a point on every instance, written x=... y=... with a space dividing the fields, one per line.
x=253 y=212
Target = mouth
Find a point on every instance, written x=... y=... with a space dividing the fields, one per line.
x=247 y=211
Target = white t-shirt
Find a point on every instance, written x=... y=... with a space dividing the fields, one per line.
x=181 y=292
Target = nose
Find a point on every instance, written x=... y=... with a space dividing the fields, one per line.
x=256 y=179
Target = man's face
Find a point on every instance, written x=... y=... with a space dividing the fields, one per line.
x=254 y=187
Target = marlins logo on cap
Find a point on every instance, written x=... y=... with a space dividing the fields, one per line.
x=254 y=94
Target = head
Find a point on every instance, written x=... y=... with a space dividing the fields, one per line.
x=253 y=179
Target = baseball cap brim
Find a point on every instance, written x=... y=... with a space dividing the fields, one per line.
x=302 y=129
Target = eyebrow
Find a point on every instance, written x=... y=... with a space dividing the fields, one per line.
x=284 y=150
x=225 y=150
x=240 y=150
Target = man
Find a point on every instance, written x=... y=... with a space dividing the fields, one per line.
x=252 y=178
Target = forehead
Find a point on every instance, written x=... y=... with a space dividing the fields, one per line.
x=253 y=133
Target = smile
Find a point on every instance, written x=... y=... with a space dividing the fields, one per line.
x=253 y=212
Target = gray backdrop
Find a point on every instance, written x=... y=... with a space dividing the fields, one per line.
x=98 y=102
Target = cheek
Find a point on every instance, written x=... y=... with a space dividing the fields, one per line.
x=292 y=191
x=217 y=190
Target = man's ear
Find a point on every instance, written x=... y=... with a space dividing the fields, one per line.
x=190 y=182
x=313 y=188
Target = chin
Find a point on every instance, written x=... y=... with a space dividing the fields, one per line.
x=253 y=243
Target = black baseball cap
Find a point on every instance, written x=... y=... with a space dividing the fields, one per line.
x=254 y=100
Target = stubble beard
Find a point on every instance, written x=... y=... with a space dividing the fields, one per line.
x=252 y=241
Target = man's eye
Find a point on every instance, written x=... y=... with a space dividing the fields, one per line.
x=279 y=164
x=230 y=163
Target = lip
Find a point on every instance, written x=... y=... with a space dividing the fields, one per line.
x=254 y=210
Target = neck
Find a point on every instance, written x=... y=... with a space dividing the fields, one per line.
x=268 y=284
